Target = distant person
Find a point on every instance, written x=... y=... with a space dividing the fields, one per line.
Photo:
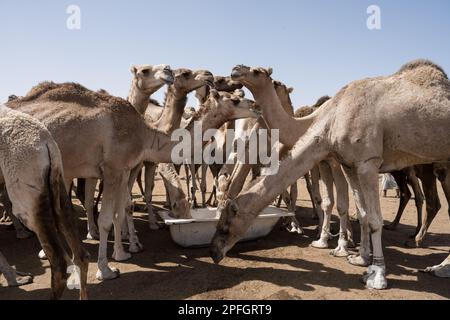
x=389 y=184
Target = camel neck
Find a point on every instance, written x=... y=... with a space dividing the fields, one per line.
x=172 y=115
x=291 y=129
x=138 y=99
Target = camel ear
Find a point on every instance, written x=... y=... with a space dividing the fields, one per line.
x=290 y=90
x=214 y=94
x=270 y=71
x=133 y=70
x=240 y=93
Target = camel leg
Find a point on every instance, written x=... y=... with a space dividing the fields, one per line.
x=292 y=224
x=150 y=172
x=307 y=178
x=21 y=231
x=193 y=186
x=203 y=184
x=188 y=181
x=342 y=201
x=120 y=208
x=418 y=198
x=375 y=278
x=327 y=205
x=128 y=228
x=317 y=198
x=361 y=259
x=433 y=205
x=10 y=274
x=114 y=189
x=405 y=196
x=139 y=182
x=237 y=179
x=443 y=174
x=89 y=199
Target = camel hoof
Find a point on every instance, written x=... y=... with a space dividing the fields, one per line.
x=108 y=274
x=121 y=256
x=24 y=234
x=42 y=255
x=413 y=244
x=320 y=244
x=440 y=271
x=375 y=278
x=357 y=260
x=21 y=281
x=340 y=252
x=136 y=247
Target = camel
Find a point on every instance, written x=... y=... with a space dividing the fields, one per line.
x=428 y=175
x=104 y=137
x=185 y=81
x=312 y=179
x=147 y=79
x=223 y=84
x=232 y=180
x=39 y=198
x=371 y=126
x=260 y=83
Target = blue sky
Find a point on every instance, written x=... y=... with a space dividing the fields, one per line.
x=315 y=46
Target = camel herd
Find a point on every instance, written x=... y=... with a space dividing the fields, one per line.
x=60 y=133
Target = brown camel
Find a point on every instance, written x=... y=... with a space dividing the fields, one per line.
x=39 y=198
x=374 y=125
x=104 y=137
x=427 y=174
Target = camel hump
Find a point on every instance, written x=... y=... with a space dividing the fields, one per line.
x=71 y=92
x=321 y=101
x=410 y=66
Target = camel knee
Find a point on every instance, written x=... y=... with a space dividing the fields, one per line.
x=327 y=205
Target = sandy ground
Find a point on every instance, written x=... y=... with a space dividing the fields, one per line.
x=281 y=266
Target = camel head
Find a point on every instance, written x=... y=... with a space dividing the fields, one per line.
x=226 y=84
x=252 y=77
x=282 y=89
x=230 y=229
x=187 y=80
x=150 y=79
x=229 y=106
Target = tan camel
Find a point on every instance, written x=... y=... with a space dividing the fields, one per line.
x=147 y=79
x=374 y=125
x=222 y=84
x=104 y=137
x=185 y=82
x=233 y=183
x=39 y=198
x=260 y=83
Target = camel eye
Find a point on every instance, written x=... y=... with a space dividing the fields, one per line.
x=146 y=72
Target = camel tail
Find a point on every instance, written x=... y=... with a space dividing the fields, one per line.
x=66 y=219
